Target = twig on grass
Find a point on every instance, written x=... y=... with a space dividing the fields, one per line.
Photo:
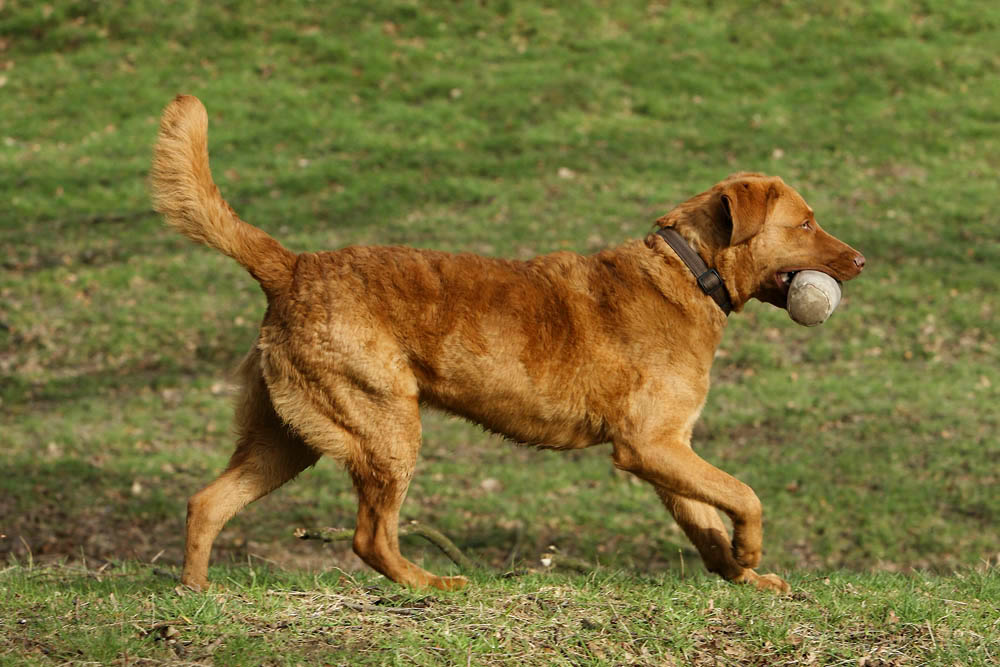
x=432 y=535
x=555 y=560
x=27 y=547
x=160 y=572
x=549 y=560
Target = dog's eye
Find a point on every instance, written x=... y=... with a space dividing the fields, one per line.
x=806 y=225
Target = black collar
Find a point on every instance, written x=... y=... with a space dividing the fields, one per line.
x=708 y=279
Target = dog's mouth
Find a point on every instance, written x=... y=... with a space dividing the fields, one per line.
x=784 y=280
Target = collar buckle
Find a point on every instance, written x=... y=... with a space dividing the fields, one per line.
x=710 y=281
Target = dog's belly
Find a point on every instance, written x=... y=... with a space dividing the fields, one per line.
x=525 y=426
x=523 y=409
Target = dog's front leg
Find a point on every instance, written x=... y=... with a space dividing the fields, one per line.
x=691 y=488
x=703 y=526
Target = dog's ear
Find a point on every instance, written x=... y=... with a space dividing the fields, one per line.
x=745 y=203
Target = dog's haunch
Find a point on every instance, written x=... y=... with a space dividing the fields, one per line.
x=812 y=297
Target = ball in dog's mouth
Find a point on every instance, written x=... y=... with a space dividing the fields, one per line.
x=812 y=296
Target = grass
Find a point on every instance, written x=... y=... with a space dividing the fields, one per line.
x=262 y=616
x=509 y=129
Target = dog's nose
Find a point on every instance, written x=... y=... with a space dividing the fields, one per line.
x=859 y=261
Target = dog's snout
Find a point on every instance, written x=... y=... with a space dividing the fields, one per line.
x=859 y=261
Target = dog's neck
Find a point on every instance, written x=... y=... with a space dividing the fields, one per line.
x=733 y=264
x=708 y=279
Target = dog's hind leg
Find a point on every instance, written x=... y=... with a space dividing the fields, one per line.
x=267 y=455
x=381 y=477
x=703 y=526
x=355 y=400
x=258 y=466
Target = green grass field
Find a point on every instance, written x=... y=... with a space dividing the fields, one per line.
x=509 y=129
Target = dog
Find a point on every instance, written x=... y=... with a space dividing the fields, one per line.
x=562 y=351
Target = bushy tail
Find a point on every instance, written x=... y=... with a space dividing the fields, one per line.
x=186 y=195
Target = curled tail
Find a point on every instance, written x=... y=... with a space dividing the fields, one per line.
x=186 y=195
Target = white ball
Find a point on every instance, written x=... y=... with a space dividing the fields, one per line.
x=812 y=297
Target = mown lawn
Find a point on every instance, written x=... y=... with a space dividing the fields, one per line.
x=510 y=129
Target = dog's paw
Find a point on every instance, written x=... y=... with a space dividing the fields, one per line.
x=771 y=582
x=763 y=582
x=196 y=584
x=449 y=583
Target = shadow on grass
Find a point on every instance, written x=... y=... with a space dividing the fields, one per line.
x=221 y=356
x=76 y=509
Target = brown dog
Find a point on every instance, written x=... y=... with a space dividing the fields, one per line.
x=562 y=351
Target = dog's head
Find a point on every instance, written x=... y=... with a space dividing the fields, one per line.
x=758 y=232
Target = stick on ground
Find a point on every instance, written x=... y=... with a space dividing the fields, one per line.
x=549 y=561
x=432 y=535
